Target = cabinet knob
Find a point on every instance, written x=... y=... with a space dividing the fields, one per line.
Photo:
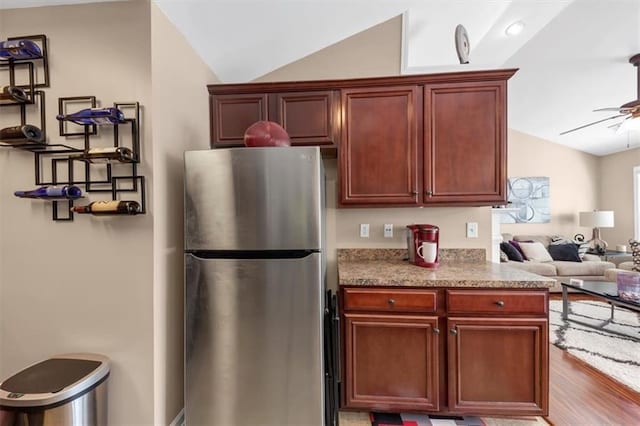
x=429 y=193
x=500 y=303
x=391 y=302
x=454 y=331
x=414 y=192
x=436 y=331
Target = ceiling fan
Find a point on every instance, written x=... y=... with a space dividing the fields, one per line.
x=629 y=110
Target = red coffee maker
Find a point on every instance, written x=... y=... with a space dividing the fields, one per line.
x=427 y=255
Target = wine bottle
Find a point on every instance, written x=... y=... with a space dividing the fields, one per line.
x=17 y=135
x=12 y=95
x=52 y=192
x=19 y=49
x=98 y=116
x=104 y=208
x=105 y=155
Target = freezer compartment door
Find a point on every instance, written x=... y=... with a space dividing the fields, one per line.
x=253 y=348
x=254 y=199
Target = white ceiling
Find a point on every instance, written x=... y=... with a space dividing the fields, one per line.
x=572 y=55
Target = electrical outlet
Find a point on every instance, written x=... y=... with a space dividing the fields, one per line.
x=364 y=230
x=388 y=230
x=472 y=229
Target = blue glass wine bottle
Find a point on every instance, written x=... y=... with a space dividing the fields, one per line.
x=69 y=192
x=19 y=49
x=98 y=116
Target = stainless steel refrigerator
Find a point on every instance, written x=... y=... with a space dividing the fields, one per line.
x=255 y=302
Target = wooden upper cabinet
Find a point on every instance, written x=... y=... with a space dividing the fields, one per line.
x=232 y=114
x=309 y=117
x=465 y=143
x=379 y=150
x=412 y=140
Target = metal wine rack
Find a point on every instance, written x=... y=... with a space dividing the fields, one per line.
x=62 y=159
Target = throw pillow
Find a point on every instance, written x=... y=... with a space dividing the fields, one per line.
x=559 y=239
x=516 y=244
x=511 y=252
x=503 y=257
x=535 y=251
x=583 y=248
x=566 y=251
x=635 y=254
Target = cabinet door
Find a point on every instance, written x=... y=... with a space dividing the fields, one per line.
x=498 y=366
x=391 y=362
x=465 y=143
x=379 y=158
x=310 y=118
x=232 y=114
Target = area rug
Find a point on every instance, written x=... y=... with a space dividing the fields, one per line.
x=349 y=418
x=611 y=346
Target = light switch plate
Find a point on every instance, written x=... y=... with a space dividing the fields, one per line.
x=472 y=229
x=388 y=230
x=364 y=230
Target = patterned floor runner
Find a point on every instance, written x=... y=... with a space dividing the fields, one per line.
x=611 y=346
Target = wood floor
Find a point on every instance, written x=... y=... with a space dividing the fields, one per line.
x=581 y=395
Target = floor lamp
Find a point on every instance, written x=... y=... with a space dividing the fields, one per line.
x=597 y=219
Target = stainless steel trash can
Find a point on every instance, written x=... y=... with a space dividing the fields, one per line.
x=65 y=390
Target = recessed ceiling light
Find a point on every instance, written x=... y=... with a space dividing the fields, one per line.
x=515 y=28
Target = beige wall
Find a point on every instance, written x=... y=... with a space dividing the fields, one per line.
x=574 y=178
x=86 y=285
x=616 y=193
x=180 y=122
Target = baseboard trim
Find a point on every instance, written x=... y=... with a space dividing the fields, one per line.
x=179 y=420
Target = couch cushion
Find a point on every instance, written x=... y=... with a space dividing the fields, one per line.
x=612 y=274
x=627 y=266
x=535 y=251
x=547 y=269
x=565 y=268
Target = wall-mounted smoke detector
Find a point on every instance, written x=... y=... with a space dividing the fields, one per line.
x=515 y=28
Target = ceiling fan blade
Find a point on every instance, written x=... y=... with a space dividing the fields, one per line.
x=591 y=124
x=607 y=109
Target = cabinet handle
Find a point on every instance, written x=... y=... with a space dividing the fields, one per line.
x=414 y=192
x=436 y=331
x=500 y=303
x=454 y=331
x=391 y=302
x=429 y=193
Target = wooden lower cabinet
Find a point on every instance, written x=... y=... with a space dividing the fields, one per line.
x=392 y=362
x=474 y=352
x=498 y=365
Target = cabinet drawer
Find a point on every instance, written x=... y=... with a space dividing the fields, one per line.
x=496 y=302
x=371 y=299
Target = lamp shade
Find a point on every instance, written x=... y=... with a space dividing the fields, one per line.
x=597 y=219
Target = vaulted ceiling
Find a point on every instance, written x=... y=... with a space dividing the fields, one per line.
x=572 y=54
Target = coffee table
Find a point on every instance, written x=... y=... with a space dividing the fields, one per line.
x=607 y=291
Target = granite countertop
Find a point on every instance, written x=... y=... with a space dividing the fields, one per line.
x=459 y=268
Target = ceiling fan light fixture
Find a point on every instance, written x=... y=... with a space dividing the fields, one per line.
x=514 y=29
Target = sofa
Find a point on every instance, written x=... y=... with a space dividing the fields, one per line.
x=591 y=268
x=612 y=274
